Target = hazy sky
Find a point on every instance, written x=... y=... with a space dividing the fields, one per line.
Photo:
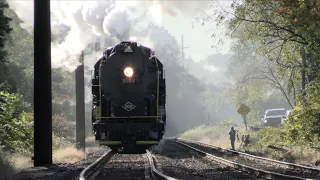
x=197 y=39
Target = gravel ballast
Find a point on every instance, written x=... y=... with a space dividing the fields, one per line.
x=181 y=163
x=125 y=166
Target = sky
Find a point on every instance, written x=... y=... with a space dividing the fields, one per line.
x=197 y=39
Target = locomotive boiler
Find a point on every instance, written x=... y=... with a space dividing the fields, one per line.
x=129 y=97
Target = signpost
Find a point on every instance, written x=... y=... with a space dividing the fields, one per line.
x=244 y=110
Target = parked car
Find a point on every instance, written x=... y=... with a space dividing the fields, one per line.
x=286 y=116
x=272 y=117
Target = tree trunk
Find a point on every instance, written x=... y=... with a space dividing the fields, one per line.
x=303 y=74
x=313 y=71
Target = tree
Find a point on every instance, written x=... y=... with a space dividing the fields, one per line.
x=15 y=133
x=286 y=34
x=4 y=31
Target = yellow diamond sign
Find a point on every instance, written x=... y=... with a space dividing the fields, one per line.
x=243 y=110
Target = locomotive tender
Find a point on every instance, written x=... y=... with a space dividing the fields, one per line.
x=129 y=97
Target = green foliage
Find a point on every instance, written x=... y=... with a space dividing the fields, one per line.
x=15 y=134
x=268 y=136
x=4 y=30
x=226 y=123
x=262 y=142
x=313 y=93
x=277 y=32
x=303 y=126
x=16 y=89
x=19 y=48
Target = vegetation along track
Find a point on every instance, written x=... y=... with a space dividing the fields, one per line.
x=262 y=167
x=123 y=166
x=182 y=163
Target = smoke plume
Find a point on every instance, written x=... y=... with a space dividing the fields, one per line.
x=82 y=22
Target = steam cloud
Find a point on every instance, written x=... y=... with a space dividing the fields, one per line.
x=88 y=20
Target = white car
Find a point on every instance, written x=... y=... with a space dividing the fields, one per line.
x=272 y=117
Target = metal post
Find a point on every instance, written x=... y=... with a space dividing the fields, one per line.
x=42 y=84
x=182 y=51
x=80 y=105
x=245 y=122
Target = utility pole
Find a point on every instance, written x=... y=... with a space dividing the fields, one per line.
x=183 y=64
x=182 y=51
x=80 y=105
x=42 y=84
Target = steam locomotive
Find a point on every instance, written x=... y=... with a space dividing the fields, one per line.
x=129 y=97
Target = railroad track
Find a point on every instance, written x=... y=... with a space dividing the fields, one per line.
x=123 y=166
x=254 y=165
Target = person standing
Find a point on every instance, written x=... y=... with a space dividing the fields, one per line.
x=232 y=135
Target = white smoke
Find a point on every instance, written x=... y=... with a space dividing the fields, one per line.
x=87 y=20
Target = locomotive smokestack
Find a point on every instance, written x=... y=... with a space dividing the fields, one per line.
x=80 y=105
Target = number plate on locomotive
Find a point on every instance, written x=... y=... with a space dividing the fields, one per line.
x=130 y=81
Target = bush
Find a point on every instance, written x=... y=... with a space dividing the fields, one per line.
x=268 y=136
x=15 y=134
x=303 y=126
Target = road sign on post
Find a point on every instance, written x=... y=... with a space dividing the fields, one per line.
x=244 y=110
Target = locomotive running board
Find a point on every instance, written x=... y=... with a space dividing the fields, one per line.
x=147 y=142
x=110 y=142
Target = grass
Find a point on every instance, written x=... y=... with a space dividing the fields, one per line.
x=67 y=153
x=215 y=135
x=261 y=143
x=63 y=152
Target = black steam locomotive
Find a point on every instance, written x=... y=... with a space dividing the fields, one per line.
x=129 y=97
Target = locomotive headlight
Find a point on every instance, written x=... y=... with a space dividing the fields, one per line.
x=128 y=71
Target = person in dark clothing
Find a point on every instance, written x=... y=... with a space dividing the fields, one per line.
x=232 y=134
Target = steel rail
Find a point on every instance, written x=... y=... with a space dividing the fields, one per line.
x=283 y=164
x=93 y=169
x=155 y=173
x=248 y=169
